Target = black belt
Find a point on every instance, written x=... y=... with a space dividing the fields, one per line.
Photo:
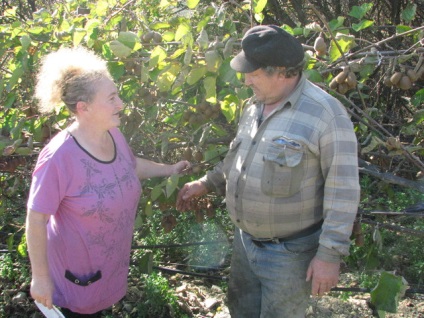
x=305 y=232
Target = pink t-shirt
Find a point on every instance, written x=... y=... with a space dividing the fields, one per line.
x=93 y=206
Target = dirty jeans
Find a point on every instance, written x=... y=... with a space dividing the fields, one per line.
x=270 y=281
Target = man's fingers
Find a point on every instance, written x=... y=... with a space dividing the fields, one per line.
x=320 y=289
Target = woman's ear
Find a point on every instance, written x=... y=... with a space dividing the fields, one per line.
x=81 y=107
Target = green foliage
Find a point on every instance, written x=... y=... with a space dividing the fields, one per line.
x=160 y=301
x=14 y=271
x=7 y=270
x=390 y=288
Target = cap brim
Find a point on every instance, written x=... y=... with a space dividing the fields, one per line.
x=242 y=64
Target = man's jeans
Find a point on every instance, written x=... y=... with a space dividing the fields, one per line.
x=270 y=281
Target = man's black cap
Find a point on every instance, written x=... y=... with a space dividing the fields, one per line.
x=267 y=45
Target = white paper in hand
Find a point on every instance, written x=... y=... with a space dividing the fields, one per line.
x=49 y=313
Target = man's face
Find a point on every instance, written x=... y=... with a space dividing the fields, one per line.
x=266 y=87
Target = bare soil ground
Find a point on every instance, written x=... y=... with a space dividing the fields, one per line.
x=331 y=306
x=205 y=299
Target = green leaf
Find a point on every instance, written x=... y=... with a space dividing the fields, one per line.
x=129 y=39
x=363 y=24
x=259 y=5
x=345 y=42
x=171 y=184
x=418 y=99
x=203 y=39
x=402 y=28
x=229 y=107
x=159 y=25
x=16 y=76
x=145 y=264
x=367 y=70
x=196 y=74
x=156 y=192
x=191 y=4
x=91 y=25
x=119 y=50
x=9 y=242
x=288 y=29
x=42 y=15
x=168 y=36
x=36 y=30
x=408 y=14
x=144 y=74
x=183 y=29
x=213 y=153
x=78 y=36
x=378 y=240
x=167 y=77
x=180 y=81
x=2 y=82
x=360 y=12
x=164 y=145
x=390 y=288
x=22 y=247
x=313 y=76
x=16 y=132
x=259 y=17
x=372 y=259
x=25 y=41
x=375 y=141
x=148 y=210
x=213 y=61
x=210 y=87
x=117 y=69
x=336 y=23
x=102 y=7
x=227 y=74
x=138 y=223
x=157 y=55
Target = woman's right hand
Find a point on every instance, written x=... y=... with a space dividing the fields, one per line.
x=42 y=290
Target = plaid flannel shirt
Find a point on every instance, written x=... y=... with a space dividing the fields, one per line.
x=297 y=167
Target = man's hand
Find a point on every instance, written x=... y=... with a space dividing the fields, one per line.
x=324 y=275
x=189 y=191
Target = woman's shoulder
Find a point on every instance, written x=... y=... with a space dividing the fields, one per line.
x=57 y=146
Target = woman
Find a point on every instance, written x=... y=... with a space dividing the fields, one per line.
x=85 y=190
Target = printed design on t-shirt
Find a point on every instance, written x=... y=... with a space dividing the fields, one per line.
x=103 y=189
x=127 y=178
x=113 y=220
x=101 y=211
x=110 y=247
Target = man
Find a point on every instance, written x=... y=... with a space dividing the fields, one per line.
x=291 y=183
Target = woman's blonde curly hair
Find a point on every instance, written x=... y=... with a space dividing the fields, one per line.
x=68 y=75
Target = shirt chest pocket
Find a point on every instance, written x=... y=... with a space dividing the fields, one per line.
x=283 y=168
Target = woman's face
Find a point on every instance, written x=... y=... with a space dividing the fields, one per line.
x=106 y=106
